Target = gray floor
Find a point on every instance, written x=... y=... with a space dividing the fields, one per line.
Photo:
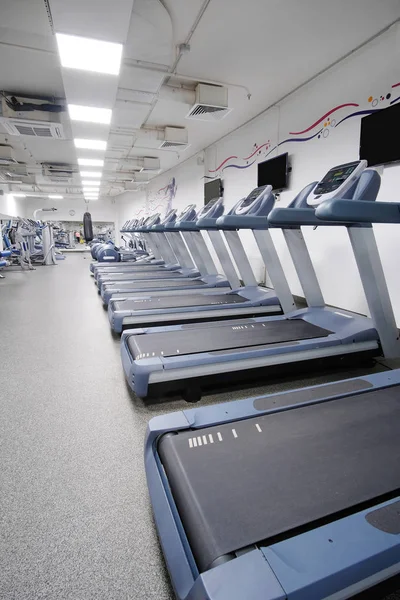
x=75 y=517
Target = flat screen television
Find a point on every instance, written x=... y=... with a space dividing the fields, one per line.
x=274 y=172
x=213 y=189
x=379 y=137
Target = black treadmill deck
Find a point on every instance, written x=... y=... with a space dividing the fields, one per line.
x=223 y=337
x=249 y=481
x=160 y=283
x=181 y=301
x=110 y=277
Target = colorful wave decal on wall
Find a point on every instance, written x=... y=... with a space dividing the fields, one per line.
x=223 y=162
x=294 y=140
x=323 y=132
x=325 y=116
x=239 y=166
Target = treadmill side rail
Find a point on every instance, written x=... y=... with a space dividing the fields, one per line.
x=344 y=558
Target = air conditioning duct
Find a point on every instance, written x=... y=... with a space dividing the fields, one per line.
x=29 y=128
x=150 y=165
x=211 y=103
x=58 y=172
x=32 y=123
x=175 y=137
x=7 y=155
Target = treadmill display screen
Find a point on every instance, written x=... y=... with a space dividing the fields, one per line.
x=169 y=214
x=246 y=202
x=335 y=178
x=207 y=207
x=186 y=210
x=151 y=220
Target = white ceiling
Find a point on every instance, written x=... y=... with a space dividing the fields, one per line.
x=268 y=46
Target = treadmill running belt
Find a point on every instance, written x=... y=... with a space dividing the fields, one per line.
x=200 y=299
x=224 y=337
x=247 y=481
x=139 y=285
x=110 y=277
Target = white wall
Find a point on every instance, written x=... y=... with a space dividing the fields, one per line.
x=9 y=205
x=101 y=210
x=361 y=80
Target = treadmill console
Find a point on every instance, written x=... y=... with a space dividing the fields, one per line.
x=187 y=212
x=249 y=203
x=153 y=220
x=210 y=208
x=336 y=182
x=169 y=217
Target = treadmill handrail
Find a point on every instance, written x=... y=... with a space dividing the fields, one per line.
x=359 y=211
x=235 y=222
x=207 y=223
x=292 y=218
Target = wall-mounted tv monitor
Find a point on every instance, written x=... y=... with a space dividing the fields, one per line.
x=213 y=189
x=274 y=172
x=380 y=135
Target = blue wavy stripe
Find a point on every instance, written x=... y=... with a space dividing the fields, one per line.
x=396 y=100
x=208 y=177
x=369 y=111
x=294 y=140
x=238 y=166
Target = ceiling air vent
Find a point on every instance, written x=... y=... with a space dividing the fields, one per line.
x=38 y=129
x=7 y=155
x=175 y=137
x=211 y=103
x=58 y=172
x=150 y=165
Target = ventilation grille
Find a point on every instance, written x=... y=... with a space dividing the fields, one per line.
x=36 y=129
x=208 y=112
x=167 y=144
x=58 y=173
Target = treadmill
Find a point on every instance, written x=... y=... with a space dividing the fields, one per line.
x=289 y=496
x=209 y=278
x=134 y=227
x=186 y=357
x=249 y=299
x=170 y=250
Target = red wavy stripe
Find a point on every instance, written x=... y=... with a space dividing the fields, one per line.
x=255 y=151
x=323 y=117
x=218 y=168
x=396 y=85
x=164 y=188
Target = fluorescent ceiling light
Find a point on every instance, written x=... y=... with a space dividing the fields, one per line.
x=90 y=183
x=88 y=54
x=89 y=114
x=90 y=144
x=18 y=195
x=90 y=162
x=55 y=197
x=95 y=174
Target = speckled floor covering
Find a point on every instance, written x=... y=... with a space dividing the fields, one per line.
x=75 y=518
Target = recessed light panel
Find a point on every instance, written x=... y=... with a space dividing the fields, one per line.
x=90 y=144
x=88 y=54
x=90 y=183
x=90 y=162
x=89 y=114
x=94 y=174
x=55 y=197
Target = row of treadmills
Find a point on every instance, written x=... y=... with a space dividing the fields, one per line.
x=290 y=496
